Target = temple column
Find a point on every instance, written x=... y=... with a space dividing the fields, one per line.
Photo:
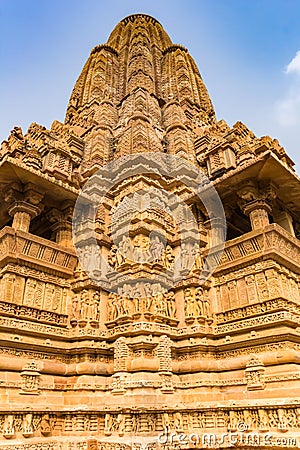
x=258 y=212
x=62 y=225
x=284 y=219
x=257 y=201
x=63 y=233
x=22 y=213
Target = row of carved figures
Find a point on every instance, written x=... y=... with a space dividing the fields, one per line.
x=262 y=419
x=25 y=425
x=142 y=249
x=196 y=302
x=138 y=299
x=141 y=298
x=86 y=306
x=32 y=292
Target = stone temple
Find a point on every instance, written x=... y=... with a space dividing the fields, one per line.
x=131 y=324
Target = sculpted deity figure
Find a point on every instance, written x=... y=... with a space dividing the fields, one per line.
x=159 y=306
x=8 y=426
x=94 y=307
x=184 y=257
x=263 y=420
x=233 y=420
x=45 y=426
x=191 y=306
x=248 y=419
x=120 y=423
x=85 y=303
x=112 y=257
x=27 y=425
x=200 y=300
x=171 y=307
x=178 y=422
x=76 y=307
x=30 y=292
x=137 y=298
x=196 y=256
x=169 y=257
x=138 y=255
x=125 y=300
x=206 y=303
x=156 y=249
x=108 y=424
x=166 y=422
x=114 y=306
x=86 y=256
x=148 y=296
x=125 y=249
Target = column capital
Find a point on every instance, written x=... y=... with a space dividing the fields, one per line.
x=24 y=207
x=255 y=205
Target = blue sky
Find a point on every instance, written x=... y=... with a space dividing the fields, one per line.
x=246 y=51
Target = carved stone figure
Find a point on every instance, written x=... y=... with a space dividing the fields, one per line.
x=45 y=426
x=108 y=425
x=85 y=305
x=169 y=257
x=125 y=250
x=171 y=307
x=233 y=420
x=95 y=305
x=27 y=429
x=112 y=258
x=263 y=420
x=8 y=426
x=156 y=249
x=191 y=305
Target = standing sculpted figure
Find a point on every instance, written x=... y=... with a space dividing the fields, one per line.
x=196 y=256
x=184 y=257
x=191 y=306
x=8 y=426
x=206 y=303
x=171 y=307
x=108 y=424
x=114 y=306
x=156 y=249
x=148 y=296
x=169 y=257
x=84 y=304
x=112 y=257
x=200 y=301
x=125 y=249
x=95 y=303
x=137 y=298
x=166 y=422
x=27 y=424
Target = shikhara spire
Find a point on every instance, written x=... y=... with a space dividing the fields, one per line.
x=139 y=91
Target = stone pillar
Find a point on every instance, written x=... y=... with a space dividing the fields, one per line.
x=218 y=231
x=63 y=233
x=22 y=213
x=62 y=225
x=284 y=219
x=257 y=201
x=258 y=211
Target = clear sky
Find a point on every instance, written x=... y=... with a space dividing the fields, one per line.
x=246 y=51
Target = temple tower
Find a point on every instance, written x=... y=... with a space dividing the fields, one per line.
x=132 y=318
